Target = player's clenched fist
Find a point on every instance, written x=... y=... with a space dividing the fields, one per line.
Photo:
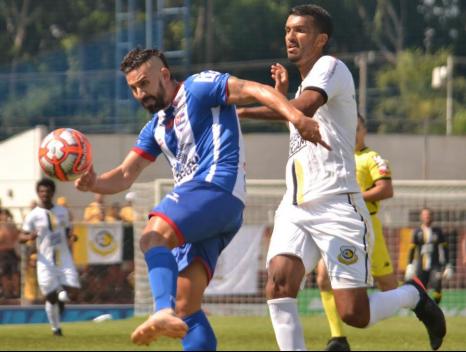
x=86 y=181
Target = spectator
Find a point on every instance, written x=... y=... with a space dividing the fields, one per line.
x=95 y=211
x=113 y=213
x=127 y=213
x=9 y=259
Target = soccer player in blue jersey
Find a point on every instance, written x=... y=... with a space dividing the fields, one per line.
x=196 y=127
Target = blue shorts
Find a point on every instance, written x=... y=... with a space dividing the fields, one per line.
x=205 y=219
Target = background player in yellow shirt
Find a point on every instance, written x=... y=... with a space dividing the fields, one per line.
x=375 y=180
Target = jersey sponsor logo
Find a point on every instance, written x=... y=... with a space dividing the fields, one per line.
x=185 y=164
x=347 y=255
x=296 y=143
x=180 y=121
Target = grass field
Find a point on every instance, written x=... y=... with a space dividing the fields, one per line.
x=233 y=333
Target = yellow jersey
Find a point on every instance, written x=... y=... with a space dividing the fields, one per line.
x=371 y=167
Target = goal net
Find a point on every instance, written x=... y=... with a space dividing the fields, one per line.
x=237 y=287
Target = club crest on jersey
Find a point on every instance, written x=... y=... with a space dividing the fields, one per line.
x=347 y=255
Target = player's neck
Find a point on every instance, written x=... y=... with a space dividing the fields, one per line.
x=46 y=205
x=306 y=66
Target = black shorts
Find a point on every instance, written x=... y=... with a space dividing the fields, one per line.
x=9 y=262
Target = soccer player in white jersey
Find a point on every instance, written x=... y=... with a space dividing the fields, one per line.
x=322 y=212
x=196 y=127
x=49 y=225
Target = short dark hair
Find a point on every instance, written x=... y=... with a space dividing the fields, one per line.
x=136 y=57
x=321 y=17
x=45 y=182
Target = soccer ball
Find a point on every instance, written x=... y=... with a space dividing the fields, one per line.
x=65 y=154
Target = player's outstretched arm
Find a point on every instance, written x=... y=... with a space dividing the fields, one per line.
x=242 y=92
x=116 y=180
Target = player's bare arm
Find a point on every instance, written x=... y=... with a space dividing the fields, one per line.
x=242 y=92
x=383 y=189
x=114 y=181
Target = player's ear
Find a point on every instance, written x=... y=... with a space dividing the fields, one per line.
x=322 y=39
x=166 y=74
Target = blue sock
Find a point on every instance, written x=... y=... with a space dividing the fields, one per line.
x=200 y=336
x=163 y=274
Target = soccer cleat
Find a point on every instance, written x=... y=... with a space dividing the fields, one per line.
x=162 y=323
x=430 y=314
x=338 y=344
x=57 y=332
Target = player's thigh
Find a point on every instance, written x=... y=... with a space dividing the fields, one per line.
x=191 y=285
x=69 y=277
x=341 y=228
x=292 y=253
x=47 y=279
x=381 y=263
x=197 y=211
x=323 y=281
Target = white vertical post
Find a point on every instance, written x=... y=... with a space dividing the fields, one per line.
x=449 y=113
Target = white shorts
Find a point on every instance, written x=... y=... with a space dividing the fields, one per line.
x=50 y=278
x=337 y=228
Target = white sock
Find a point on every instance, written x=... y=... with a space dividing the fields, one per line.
x=53 y=314
x=386 y=304
x=286 y=324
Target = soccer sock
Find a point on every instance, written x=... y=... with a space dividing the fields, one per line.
x=163 y=273
x=286 y=324
x=330 y=308
x=386 y=304
x=200 y=336
x=53 y=314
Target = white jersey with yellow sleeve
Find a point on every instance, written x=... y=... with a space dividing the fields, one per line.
x=312 y=171
x=55 y=265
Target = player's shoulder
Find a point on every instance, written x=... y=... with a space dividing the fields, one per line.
x=206 y=76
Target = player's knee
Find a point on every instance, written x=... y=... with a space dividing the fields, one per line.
x=52 y=297
x=152 y=239
x=279 y=286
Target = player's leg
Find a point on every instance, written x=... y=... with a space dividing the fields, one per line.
x=338 y=340
x=49 y=283
x=192 y=283
x=381 y=263
x=53 y=312
x=292 y=253
x=349 y=276
x=156 y=243
x=436 y=284
x=192 y=213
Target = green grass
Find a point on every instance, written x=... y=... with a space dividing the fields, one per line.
x=233 y=333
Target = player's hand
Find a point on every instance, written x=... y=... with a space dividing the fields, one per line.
x=86 y=181
x=409 y=273
x=308 y=128
x=448 y=272
x=280 y=75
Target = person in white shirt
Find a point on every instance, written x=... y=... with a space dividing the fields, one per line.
x=322 y=212
x=49 y=226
